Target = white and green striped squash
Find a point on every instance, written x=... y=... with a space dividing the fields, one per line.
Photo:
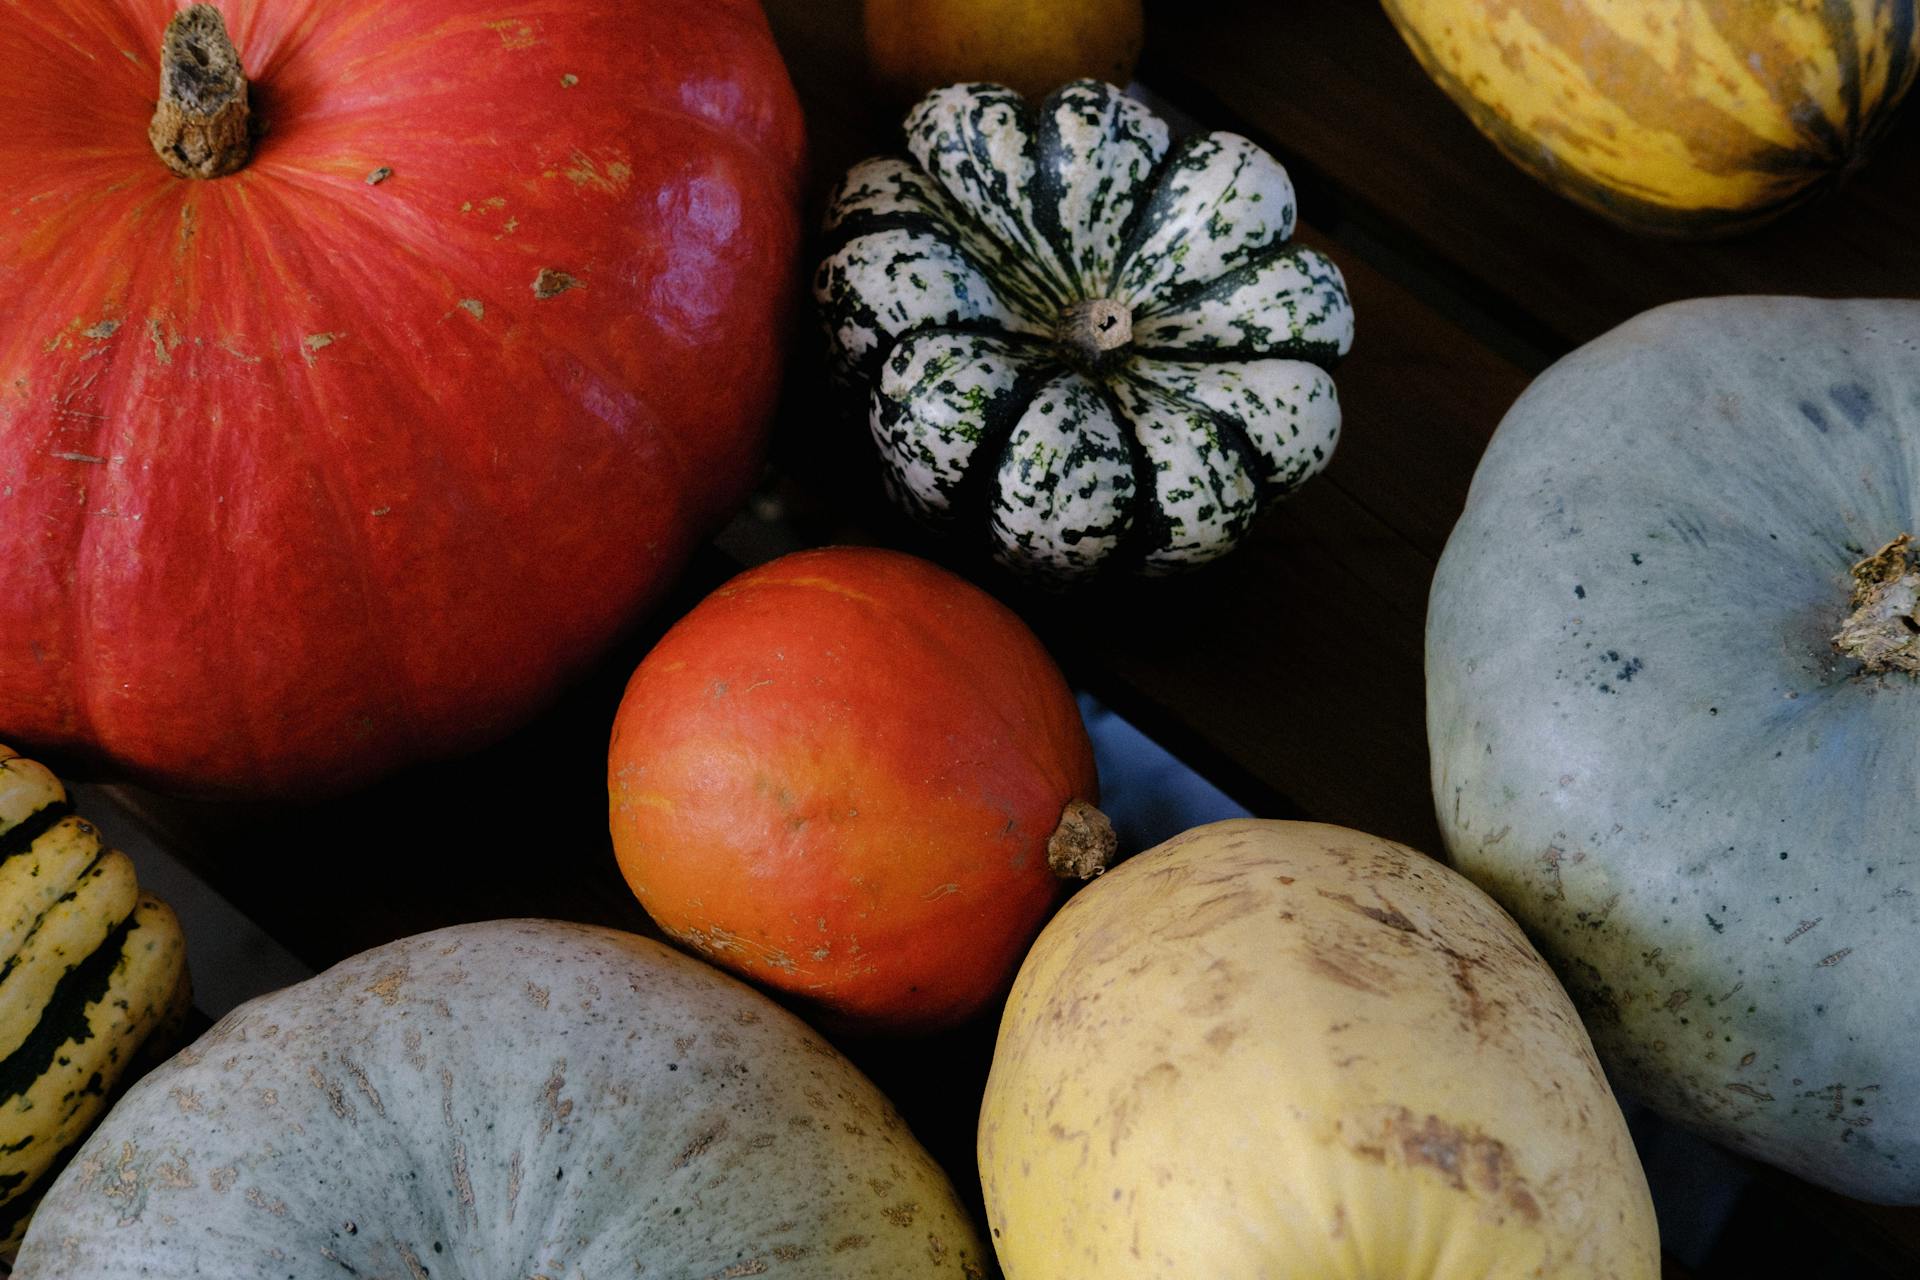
x=1673 y=729
x=511 y=1099
x=91 y=971
x=1095 y=342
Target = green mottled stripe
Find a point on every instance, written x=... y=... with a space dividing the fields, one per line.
x=888 y=193
x=1286 y=411
x=1063 y=493
x=1202 y=485
x=945 y=398
x=976 y=142
x=880 y=286
x=1219 y=203
x=1290 y=301
x=1097 y=148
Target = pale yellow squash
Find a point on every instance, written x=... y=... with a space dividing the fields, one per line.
x=1679 y=117
x=1297 y=1052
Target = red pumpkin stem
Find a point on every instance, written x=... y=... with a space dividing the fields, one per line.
x=199 y=129
x=1883 y=631
x=1083 y=845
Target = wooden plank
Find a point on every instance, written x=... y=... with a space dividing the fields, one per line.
x=1329 y=86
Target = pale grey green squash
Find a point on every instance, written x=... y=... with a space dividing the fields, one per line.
x=1077 y=339
x=505 y=1100
x=1647 y=746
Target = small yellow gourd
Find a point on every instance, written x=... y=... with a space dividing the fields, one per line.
x=90 y=969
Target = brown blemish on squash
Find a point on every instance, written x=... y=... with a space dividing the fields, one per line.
x=463 y=1184
x=1466 y=1160
x=336 y=1095
x=260 y=1200
x=365 y=1085
x=901 y=1215
x=551 y=283
x=515 y=33
x=387 y=986
x=314 y=343
x=1384 y=914
x=174 y=1175
x=845 y=1243
x=538 y=994
x=1215 y=912
x=558 y=1108
x=698 y=1147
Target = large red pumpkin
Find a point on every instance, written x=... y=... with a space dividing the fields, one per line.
x=850 y=775
x=352 y=455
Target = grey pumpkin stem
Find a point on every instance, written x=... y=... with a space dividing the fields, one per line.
x=200 y=127
x=1883 y=631
x=1083 y=845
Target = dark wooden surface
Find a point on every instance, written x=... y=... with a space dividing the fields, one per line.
x=1290 y=674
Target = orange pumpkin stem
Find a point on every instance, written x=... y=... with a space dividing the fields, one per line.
x=200 y=127
x=1083 y=845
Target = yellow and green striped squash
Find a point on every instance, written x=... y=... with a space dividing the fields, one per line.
x=1674 y=117
x=90 y=969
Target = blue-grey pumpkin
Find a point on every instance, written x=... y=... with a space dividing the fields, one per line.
x=1094 y=344
x=1673 y=720
x=518 y=1098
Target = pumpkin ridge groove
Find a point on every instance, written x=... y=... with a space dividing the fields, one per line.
x=1150 y=530
x=1137 y=227
x=1023 y=260
x=1846 y=51
x=972 y=501
x=64 y=1018
x=1044 y=195
x=1234 y=433
x=23 y=835
x=1820 y=128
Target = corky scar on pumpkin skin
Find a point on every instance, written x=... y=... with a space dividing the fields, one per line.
x=1883 y=631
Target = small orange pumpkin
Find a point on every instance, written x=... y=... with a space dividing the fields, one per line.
x=849 y=775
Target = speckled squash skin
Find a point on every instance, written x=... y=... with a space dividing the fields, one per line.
x=93 y=983
x=1299 y=1052
x=1645 y=746
x=838 y=776
x=950 y=278
x=1674 y=117
x=515 y=1098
